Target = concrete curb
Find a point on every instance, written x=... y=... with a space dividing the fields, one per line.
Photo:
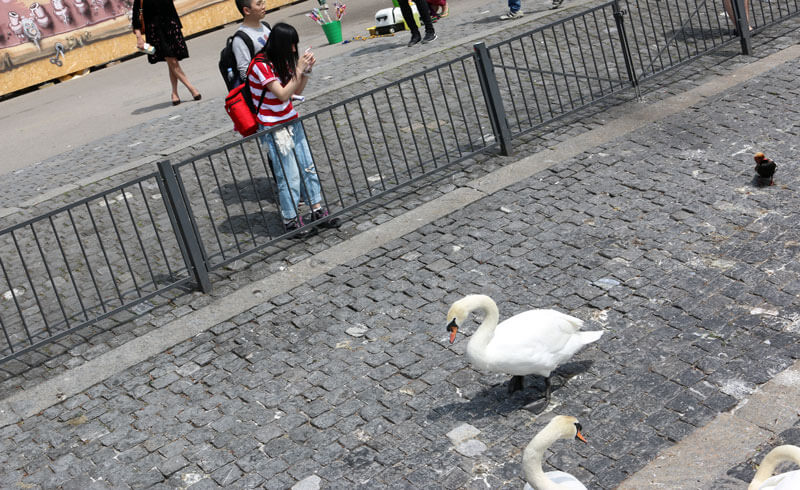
x=708 y=452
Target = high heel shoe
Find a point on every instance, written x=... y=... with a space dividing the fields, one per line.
x=198 y=96
x=176 y=102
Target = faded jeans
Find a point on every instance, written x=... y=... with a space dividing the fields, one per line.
x=292 y=181
x=514 y=5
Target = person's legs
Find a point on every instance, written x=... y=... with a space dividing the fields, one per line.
x=177 y=71
x=285 y=169
x=308 y=172
x=514 y=5
x=173 y=81
x=408 y=16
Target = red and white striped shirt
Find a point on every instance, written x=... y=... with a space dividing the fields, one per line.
x=272 y=111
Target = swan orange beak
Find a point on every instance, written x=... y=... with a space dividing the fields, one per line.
x=452 y=327
x=580 y=436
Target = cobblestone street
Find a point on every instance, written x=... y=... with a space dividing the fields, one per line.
x=660 y=237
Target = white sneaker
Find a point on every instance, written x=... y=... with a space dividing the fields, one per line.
x=512 y=15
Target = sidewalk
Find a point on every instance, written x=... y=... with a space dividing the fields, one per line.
x=335 y=370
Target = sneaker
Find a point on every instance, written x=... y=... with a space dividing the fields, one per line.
x=512 y=15
x=415 y=38
x=556 y=4
x=322 y=214
x=430 y=36
x=295 y=224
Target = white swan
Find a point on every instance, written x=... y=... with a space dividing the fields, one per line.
x=532 y=342
x=561 y=427
x=784 y=481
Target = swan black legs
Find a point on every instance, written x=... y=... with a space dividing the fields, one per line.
x=515 y=384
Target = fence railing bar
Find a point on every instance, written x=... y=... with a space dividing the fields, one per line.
x=122 y=246
x=385 y=141
x=472 y=99
x=182 y=186
x=30 y=281
x=344 y=155
x=358 y=150
x=327 y=158
x=552 y=69
x=67 y=266
x=253 y=183
x=583 y=61
x=436 y=118
x=5 y=334
x=139 y=237
x=410 y=130
x=370 y=139
x=105 y=253
x=654 y=29
x=449 y=112
x=424 y=123
x=49 y=274
x=239 y=198
x=509 y=89
x=86 y=259
x=593 y=56
x=531 y=73
x=13 y=292
x=519 y=79
x=541 y=73
x=700 y=25
x=222 y=199
x=572 y=61
x=155 y=230
x=563 y=69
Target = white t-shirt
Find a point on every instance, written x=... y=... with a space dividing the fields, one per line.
x=258 y=36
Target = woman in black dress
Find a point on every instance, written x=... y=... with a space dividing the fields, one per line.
x=162 y=28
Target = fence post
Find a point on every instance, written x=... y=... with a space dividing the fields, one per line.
x=491 y=92
x=184 y=231
x=742 y=26
x=619 y=15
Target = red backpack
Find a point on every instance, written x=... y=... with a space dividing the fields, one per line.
x=239 y=104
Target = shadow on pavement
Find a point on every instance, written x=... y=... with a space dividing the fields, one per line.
x=151 y=108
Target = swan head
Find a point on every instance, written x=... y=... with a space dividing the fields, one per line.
x=568 y=427
x=452 y=324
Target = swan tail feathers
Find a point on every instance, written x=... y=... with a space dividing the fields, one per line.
x=589 y=337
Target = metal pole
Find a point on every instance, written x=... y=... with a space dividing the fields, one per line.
x=743 y=26
x=619 y=16
x=491 y=93
x=182 y=223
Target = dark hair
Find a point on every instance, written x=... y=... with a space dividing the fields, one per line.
x=241 y=4
x=279 y=50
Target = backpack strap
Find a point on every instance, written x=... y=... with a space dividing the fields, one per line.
x=247 y=41
x=247 y=81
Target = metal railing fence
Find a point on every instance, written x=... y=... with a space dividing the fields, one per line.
x=363 y=148
x=85 y=262
x=107 y=253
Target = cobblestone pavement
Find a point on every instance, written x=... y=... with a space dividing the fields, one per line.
x=660 y=238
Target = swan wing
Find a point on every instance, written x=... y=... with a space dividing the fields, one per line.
x=566 y=480
x=784 y=481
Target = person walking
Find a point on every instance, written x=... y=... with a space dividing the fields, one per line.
x=157 y=21
x=278 y=72
x=425 y=17
x=729 y=10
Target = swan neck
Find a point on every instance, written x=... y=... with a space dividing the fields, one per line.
x=772 y=460
x=532 y=459
x=491 y=317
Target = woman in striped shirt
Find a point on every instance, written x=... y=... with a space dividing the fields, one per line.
x=279 y=73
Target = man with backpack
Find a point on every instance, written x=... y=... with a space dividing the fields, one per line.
x=248 y=39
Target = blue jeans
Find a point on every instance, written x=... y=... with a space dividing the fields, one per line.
x=514 y=5
x=295 y=172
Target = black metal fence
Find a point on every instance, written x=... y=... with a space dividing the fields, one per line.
x=102 y=255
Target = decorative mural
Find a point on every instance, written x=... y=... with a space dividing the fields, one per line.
x=30 y=22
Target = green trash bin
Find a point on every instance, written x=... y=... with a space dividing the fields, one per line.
x=333 y=31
